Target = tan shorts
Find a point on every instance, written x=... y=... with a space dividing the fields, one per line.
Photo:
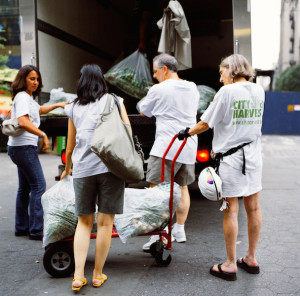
x=184 y=173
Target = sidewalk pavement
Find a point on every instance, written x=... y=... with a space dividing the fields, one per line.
x=132 y=272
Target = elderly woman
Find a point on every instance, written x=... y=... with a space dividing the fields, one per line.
x=236 y=117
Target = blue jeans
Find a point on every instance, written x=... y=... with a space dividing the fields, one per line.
x=32 y=185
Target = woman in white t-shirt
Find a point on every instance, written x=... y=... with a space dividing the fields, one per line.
x=93 y=183
x=22 y=150
x=236 y=116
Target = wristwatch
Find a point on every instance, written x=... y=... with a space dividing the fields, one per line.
x=43 y=135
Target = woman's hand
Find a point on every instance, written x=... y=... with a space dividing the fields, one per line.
x=65 y=174
x=63 y=104
x=46 y=109
x=45 y=143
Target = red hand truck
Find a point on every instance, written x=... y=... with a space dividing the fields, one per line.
x=58 y=258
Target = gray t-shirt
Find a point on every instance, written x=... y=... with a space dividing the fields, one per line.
x=85 y=117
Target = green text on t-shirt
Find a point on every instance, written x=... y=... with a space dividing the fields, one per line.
x=248 y=109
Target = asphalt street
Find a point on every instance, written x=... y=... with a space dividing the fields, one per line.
x=131 y=272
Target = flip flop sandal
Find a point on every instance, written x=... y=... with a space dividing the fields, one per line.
x=227 y=276
x=250 y=269
x=101 y=278
x=78 y=288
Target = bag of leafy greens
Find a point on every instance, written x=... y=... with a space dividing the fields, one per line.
x=146 y=210
x=206 y=96
x=58 y=203
x=131 y=75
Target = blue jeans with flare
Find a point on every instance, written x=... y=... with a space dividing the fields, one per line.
x=32 y=185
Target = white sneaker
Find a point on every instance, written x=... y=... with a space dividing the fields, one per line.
x=179 y=236
x=153 y=239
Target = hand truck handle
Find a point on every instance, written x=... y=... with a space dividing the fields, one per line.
x=174 y=159
x=169 y=246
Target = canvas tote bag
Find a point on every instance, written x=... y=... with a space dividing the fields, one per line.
x=113 y=144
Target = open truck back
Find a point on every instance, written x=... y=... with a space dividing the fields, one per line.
x=60 y=37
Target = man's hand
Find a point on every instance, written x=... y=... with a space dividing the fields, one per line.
x=183 y=134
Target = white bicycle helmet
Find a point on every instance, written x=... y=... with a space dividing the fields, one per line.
x=210 y=184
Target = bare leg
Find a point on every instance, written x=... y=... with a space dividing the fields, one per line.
x=230 y=227
x=254 y=226
x=184 y=206
x=103 y=240
x=81 y=245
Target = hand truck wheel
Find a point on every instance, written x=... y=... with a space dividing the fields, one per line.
x=161 y=261
x=58 y=260
x=156 y=248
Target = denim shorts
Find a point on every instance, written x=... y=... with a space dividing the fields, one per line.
x=104 y=190
x=184 y=173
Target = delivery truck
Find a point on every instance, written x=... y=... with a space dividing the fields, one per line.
x=59 y=37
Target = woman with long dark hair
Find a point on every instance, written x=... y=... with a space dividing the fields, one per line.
x=93 y=183
x=22 y=150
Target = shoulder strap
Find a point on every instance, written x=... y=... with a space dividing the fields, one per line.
x=111 y=97
x=108 y=104
x=7 y=116
x=117 y=102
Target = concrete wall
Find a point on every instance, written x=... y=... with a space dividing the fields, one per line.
x=277 y=118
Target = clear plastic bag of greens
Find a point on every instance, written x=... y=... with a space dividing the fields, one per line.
x=58 y=95
x=206 y=96
x=58 y=204
x=146 y=210
x=131 y=75
x=60 y=220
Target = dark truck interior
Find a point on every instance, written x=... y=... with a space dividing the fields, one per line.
x=211 y=28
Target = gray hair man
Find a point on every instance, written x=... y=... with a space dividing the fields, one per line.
x=173 y=102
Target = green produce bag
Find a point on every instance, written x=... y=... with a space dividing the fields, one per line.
x=131 y=75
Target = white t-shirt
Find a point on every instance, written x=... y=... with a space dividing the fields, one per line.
x=236 y=116
x=174 y=105
x=24 y=104
x=85 y=117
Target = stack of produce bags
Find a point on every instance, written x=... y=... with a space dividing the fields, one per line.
x=145 y=210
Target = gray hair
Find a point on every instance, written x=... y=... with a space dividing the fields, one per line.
x=238 y=66
x=167 y=60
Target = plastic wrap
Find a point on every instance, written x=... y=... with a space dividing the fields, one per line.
x=206 y=96
x=131 y=75
x=60 y=220
x=59 y=211
x=58 y=95
x=146 y=210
